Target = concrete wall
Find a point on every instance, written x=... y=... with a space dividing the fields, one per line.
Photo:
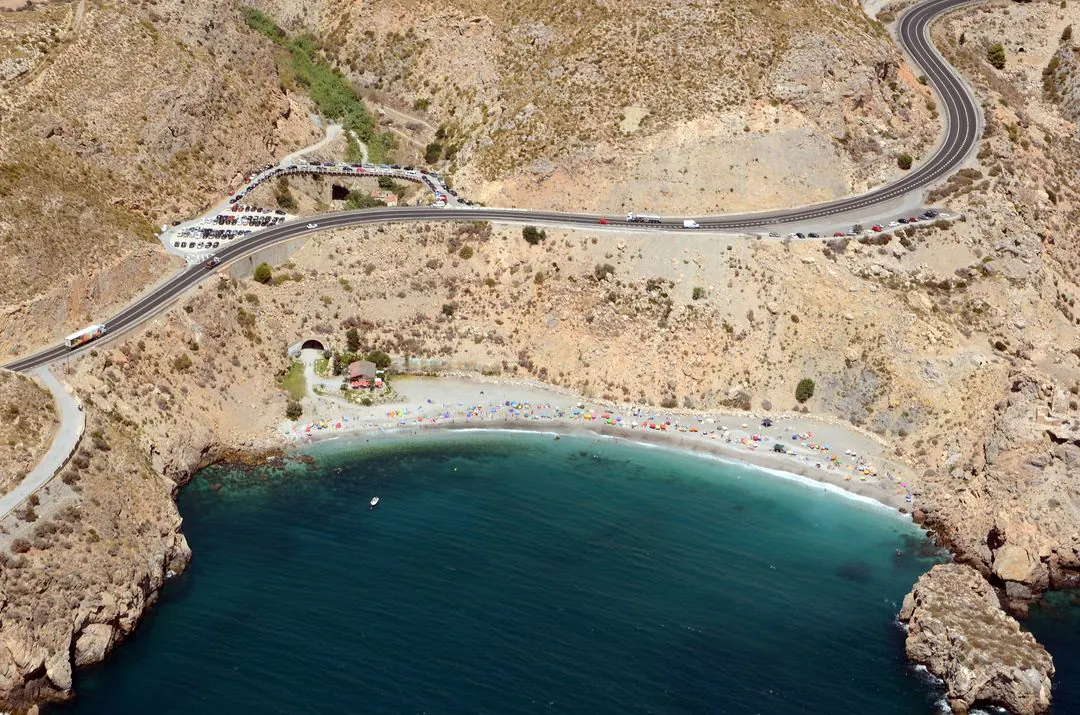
x=274 y=255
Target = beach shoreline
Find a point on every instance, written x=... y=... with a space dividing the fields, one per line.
x=855 y=467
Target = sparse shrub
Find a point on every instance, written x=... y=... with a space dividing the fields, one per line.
x=466 y=252
x=995 y=55
x=293 y=410
x=1066 y=34
x=804 y=390
x=448 y=309
x=1000 y=346
x=603 y=270
x=699 y=293
x=181 y=363
x=20 y=546
x=263 y=274
x=533 y=235
x=904 y=160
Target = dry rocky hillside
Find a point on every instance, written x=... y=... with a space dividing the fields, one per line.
x=114 y=119
x=958 y=342
x=27 y=425
x=698 y=107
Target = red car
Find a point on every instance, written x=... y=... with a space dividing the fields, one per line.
x=913 y=219
x=603 y=222
x=212 y=262
x=877 y=227
x=838 y=235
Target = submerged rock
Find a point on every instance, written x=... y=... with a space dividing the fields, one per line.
x=957 y=629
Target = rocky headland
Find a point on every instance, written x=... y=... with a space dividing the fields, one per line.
x=957 y=630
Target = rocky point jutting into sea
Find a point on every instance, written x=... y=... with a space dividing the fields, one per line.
x=952 y=345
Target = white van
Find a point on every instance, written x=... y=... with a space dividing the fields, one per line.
x=690 y=224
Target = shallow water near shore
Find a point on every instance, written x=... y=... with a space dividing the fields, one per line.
x=517 y=573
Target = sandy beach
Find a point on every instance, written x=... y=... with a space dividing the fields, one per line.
x=814 y=451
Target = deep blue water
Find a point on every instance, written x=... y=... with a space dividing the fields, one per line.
x=518 y=574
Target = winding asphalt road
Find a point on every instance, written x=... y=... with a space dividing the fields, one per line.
x=962 y=130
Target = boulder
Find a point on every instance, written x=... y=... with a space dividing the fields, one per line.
x=94 y=643
x=1013 y=563
x=957 y=630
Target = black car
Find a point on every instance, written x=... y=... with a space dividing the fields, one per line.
x=902 y=220
x=813 y=235
x=799 y=235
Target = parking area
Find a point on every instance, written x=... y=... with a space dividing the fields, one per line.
x=200 y=238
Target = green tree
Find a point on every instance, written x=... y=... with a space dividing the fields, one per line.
x=699 y=293
x=903 y=160
x=263 y=274
x=432 y=152
x=533 y=235
x=995 y=55
x=360 y=200
x=284 y=196
x=804 y=390
x=352 y=340
x=293 y=410
x=381 y=359
x=466 y=252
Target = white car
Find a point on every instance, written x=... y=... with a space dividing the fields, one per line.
x=313 y=225
x=893 y=224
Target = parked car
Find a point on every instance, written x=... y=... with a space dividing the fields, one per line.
x=877 y=228
x=774 y=234
x=838 y=235
x=903 y=220
x=812 y=235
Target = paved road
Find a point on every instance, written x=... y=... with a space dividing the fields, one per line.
x=962 y=130
x=67 y=436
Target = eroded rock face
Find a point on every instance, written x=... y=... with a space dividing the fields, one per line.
x=957 y=629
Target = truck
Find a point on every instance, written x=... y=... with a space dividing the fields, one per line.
x=643 y=218
x=688 y=223
x=90 y=332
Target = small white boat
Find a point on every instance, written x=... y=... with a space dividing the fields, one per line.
x=374 y=502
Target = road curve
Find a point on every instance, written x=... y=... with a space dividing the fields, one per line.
x=962 y=129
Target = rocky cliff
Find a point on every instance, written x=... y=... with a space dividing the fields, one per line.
x=82 y=562
x=957 y=629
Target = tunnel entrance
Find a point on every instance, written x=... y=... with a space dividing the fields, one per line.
x=312 y=344
x=339 y=192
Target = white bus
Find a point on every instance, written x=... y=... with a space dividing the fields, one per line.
x=84 y=336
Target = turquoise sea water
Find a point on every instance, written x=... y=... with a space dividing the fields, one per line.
x=518 y=574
